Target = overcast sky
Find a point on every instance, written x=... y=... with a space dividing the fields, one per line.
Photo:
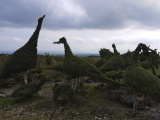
x=88 y=25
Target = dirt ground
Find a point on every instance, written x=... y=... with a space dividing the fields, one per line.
x=41 y=107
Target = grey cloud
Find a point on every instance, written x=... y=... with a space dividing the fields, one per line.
x=82 y=14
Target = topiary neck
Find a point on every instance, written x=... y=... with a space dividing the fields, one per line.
x=115 y=51
x=34 y=38
x=67 y=49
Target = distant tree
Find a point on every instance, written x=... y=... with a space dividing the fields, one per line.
x=23 y=59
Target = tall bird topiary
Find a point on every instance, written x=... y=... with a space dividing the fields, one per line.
x=114 y=63
x=75 y=67
x=23 y=59
x=140 y=80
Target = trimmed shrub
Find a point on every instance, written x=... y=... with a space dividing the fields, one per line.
x=100 y=63
x=141 y=81
x=145 y=64
x=112 y=64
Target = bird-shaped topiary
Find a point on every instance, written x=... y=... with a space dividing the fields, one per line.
x=76 y=67
x=114 y=63
x=140 y=80
x=23 y=59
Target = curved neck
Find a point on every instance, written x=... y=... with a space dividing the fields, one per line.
x=67 y=49
x=115 y=51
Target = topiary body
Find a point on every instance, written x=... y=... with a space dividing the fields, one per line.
x=25 y=58
x=114 y=63
x=76 y=67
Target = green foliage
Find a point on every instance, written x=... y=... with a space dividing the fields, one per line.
x=126 y=62
x=105 y=54
x=76 y=67
x=112 y=64
x=25 y=58
x=142 y=81
x=115 y=75
x=48 y=59
x=145 y=64
x=100 y=63
x=63 y=91
x=58 y=67
x=91 y=59
x=28 y=90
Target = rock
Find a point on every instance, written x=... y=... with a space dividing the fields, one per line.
x=3 y=95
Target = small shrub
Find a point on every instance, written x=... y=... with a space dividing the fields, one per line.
x=27 y=90
x=58 y=67
x=63 y=91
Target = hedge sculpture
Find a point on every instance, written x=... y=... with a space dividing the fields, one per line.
x=140 y=80
x=23 y=59
x=114 y=63
x=76 y=67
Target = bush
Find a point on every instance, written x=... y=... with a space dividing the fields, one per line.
x=141 y=81
x=58 y=67
x=100 y=63
x=27 y=90
x=112 y=64
x=63 y=91
x=145 y=64
x=115 y=75
x=126 y=62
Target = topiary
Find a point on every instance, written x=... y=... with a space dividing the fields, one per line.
x=23 y=59
x=100 y=63
x=145 y=64
x=112 y=64
x=115 y=75
x=105 y=54
x=141 y=81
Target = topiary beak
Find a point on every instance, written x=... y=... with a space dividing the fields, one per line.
x=56 y=42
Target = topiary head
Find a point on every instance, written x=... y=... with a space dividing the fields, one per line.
x=113 y=46
x=61 y=40
x=41 y=19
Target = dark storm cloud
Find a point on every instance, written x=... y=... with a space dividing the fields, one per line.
x=80 y=14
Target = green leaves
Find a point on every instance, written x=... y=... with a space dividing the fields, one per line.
x=141 y=81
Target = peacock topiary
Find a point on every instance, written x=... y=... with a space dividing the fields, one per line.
x=76 y=67
x=23 y=59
